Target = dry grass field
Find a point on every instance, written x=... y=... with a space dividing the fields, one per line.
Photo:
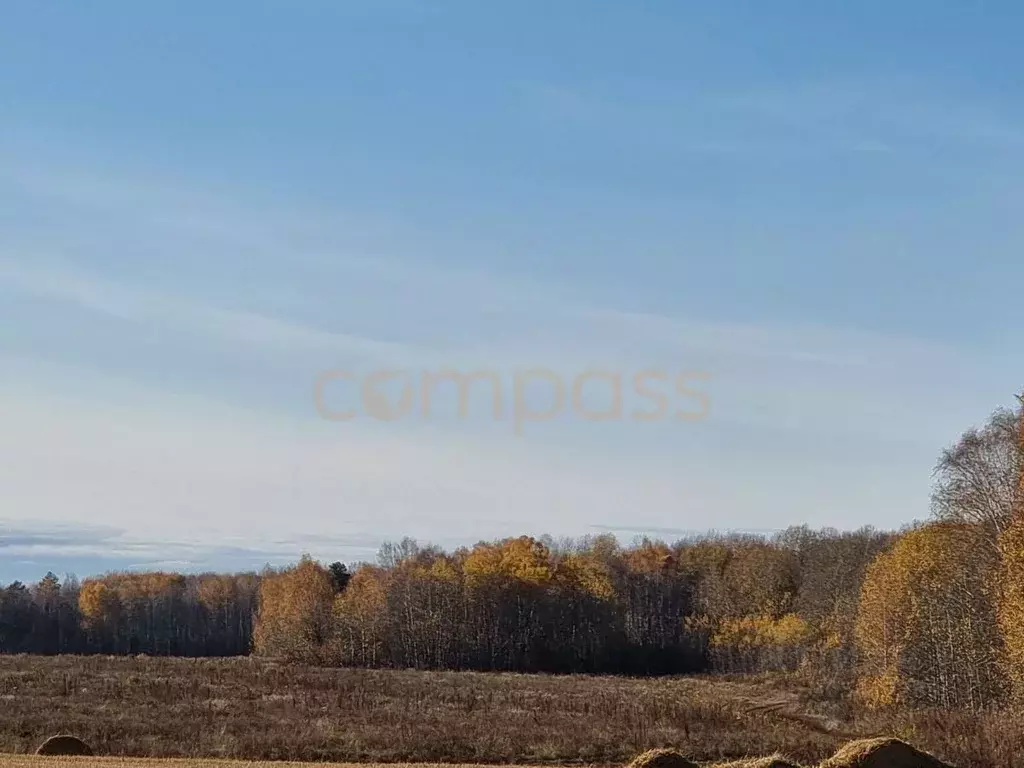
x=31 y=761
x=259 y=710
x=857 y=755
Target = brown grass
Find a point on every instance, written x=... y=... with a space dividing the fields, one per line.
x=252 y=709
x=26 y=761
x=261 y=710
x=888 y=755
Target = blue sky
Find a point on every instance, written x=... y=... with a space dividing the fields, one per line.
x=201 y=209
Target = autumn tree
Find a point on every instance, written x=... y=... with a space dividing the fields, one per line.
x=360 y=619
x=1011 y=576
x=295 y=619
x=100 y=606
x=977 y=478
x=926 y=627
x=831 y=566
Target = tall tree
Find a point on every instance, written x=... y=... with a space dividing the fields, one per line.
x=295 y=612
x=977 y=478
x=926 y=627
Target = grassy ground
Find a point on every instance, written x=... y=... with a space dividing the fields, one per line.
x=27 y=761
x=244 y=708
x=259 y=710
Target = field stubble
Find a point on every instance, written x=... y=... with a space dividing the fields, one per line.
x=261 y=710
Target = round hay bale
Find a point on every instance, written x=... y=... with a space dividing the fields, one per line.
x=662 y=758
x=882 y=753
x=64 y=745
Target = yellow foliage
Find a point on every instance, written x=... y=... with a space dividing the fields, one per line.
x=524 y=559
x=482 y=563
x=527 y=560
x=1011 y=603
x=295 y=613
x=587 y=574
x=366 y=594
x=1010 y=593
x=359 y=614
x=762 y=632
x=880 y=691
x=443 y=570
x=99 y=604
x=923 y=609
x=650 y=557
x=830 y=634
x=216 y=591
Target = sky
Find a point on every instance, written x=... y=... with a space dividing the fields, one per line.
x=808 y=211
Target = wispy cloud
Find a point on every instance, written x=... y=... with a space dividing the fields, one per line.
x=126 y=302
x=851 y=419
x=802 y=118
x=882 y=115
x=801 y=370
x=29 y=549
x=24 y=538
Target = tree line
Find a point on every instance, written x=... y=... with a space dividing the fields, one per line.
x=155 y=613
x=929 y=616
x=731 y=602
